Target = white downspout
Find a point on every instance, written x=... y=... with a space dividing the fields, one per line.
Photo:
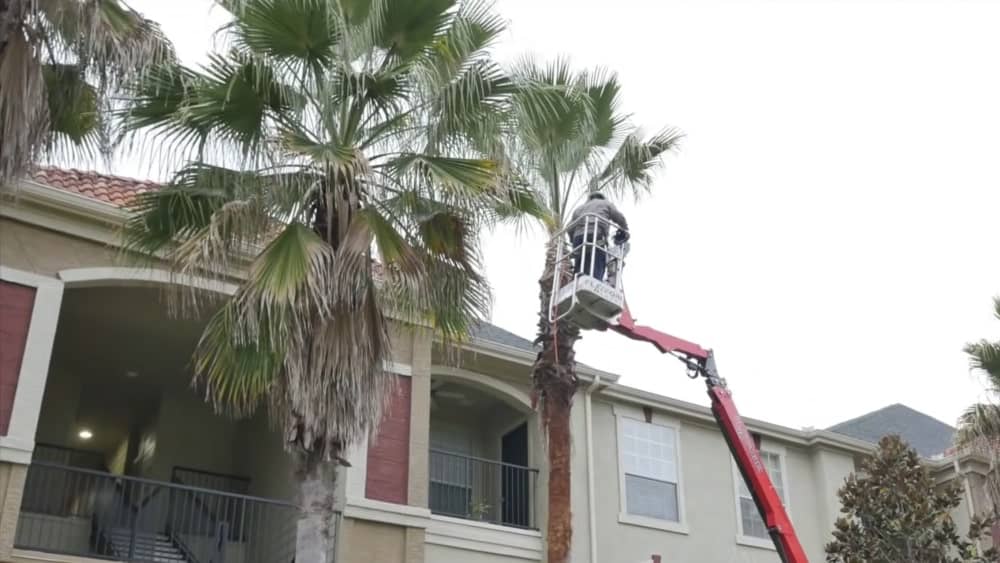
x=591 y=501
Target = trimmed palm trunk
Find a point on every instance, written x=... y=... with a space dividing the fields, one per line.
x=315 y=540
x=555 y=384
x=12 y=14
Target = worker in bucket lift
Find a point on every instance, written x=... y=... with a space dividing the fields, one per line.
x=596 y=204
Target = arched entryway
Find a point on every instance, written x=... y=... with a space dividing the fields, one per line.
x=484 y=444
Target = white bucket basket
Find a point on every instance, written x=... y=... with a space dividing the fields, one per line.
x=589 y=299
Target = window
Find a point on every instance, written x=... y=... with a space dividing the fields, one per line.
x=649 y=463
x=751 y=523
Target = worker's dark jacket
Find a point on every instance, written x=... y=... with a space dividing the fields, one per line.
x=600 y=207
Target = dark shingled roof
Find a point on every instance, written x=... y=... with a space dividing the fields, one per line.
x=498 y=335
x=927 y=435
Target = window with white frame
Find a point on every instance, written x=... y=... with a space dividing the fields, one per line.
x=649 y=462
x=751 y=523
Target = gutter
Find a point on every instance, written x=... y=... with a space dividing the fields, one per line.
x=527 y=358
x=591 y=500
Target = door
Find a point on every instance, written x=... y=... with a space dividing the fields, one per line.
x=516 y=479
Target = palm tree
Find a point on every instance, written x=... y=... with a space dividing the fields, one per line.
x=582 y=144
x=343 y=153
x=980 y=424
x=61 y=63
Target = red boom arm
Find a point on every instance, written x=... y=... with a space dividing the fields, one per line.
x=741 y=443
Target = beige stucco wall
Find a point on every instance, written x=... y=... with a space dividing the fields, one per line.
x=11 y=487
x=445 y=554
x=46 y=252
x=708 y=487
x=189 y=434
x=365 y=542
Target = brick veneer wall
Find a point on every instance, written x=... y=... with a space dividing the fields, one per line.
x=389 y=450
x=16 y=304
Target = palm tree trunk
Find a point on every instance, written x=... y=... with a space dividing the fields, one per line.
x=555 y=385
x=316 y=533
x=12 y=14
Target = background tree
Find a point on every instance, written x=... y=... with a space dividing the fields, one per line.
x=61 y=63
x=894 y=513
x=580 y=143
x=979 y=426
x=332 y=135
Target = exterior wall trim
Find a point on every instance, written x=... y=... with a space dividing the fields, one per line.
x=17 y=446
x=526 y=358
x=484 y=538
x=23 y=554
x=110 y=276
x=678 y=408
x=480 y=380
x=387 y=513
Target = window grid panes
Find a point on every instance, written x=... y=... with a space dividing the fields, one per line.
x=753 y=524
x=649 y=459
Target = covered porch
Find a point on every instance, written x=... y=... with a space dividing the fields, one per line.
x=484 y=447
x=130 y=463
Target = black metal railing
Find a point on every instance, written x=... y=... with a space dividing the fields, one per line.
x=73 y=457
x=481 y=489
x=102 y=515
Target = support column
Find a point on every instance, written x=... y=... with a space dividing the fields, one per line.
x=12 y=477
x=414 y=547
x=420 y=417
x=29 y=312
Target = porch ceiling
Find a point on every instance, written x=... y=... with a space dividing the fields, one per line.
x=109 y=333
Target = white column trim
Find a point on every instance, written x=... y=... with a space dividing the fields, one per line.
x=111 y=276
x=19 y=442
x=502 y=389
x=398 y=368
x=356 y=475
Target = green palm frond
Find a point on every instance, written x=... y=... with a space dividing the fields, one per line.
x=300 y=31
x=573 y=137
x=357 y=151
x=985 y=355
x=630 y=170
x=61 y=71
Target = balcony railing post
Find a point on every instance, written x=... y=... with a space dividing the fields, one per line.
x=221 y=534
x=124 y=518
x=468 y=487
x=134 y=530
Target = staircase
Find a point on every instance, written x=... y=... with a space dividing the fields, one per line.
x=149 y=547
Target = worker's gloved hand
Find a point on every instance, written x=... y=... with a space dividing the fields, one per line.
x=621 y=237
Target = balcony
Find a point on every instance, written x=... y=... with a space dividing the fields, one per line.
x=482 y=445
x=90 y=513
x=484 y=490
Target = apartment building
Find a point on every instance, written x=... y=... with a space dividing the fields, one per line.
x=108 y=453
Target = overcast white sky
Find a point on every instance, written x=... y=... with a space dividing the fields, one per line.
x=831 y=225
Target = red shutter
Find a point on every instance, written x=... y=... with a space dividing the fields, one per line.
x=16 y=304
x=389 y=451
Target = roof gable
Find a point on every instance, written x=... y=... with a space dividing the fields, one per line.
x=925 y=434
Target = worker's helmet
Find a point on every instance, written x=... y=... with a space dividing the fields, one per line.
x=595 y=195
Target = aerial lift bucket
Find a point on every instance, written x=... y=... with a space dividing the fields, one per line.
x=584 y=293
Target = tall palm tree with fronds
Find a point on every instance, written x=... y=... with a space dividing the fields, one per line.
x=344 y=154
x=61 y=63
x=582 y=143
x=980 y=424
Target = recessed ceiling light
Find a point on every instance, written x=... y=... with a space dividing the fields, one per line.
x=131 y=373
x=85 y=434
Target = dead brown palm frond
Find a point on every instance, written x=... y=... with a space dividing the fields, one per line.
x=71 y=56
x=23 y=115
